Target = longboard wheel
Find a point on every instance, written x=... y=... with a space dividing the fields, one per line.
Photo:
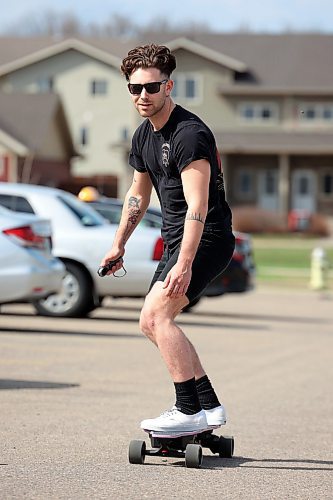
x=226 y=446
x=193 y=456
x=137 y=451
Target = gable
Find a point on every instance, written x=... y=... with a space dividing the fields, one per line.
x=58 y=48
x=207 y=53
x=28 y=118
x=11 y=143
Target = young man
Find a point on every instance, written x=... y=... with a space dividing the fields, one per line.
x=174 y=151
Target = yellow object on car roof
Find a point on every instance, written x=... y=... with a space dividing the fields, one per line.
x=89 y=193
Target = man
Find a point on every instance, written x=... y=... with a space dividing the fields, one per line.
x=174 y=151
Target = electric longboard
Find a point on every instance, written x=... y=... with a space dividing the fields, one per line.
x=186 y=445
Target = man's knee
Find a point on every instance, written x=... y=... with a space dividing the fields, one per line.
x=149 y=319
x=158 y=309
x=144 y=323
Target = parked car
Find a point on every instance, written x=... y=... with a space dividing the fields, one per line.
x=28 y=270
x=237 y=278
x=111 y=209
x=81 y=237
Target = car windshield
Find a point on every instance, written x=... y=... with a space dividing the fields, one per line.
x=86 y=215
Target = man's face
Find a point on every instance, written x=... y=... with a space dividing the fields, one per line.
x=148 y=105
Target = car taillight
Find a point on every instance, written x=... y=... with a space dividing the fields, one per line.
x=239 y=257
x=239 y=249
x=26 y=236
x=158 y=249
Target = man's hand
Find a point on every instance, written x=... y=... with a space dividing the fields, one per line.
x=177 y=281
x=113 y=254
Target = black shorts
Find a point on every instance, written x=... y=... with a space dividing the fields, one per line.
x=213 y=256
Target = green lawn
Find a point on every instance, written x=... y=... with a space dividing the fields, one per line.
x=286 y=261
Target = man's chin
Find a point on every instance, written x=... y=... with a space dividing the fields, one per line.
x=146 y=112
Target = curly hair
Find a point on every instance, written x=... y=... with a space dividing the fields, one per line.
x=149 y=56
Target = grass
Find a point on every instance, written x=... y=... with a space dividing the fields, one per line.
x=286 y=261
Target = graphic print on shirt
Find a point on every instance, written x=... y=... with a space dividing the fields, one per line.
x=165 y=154
x=220 y=181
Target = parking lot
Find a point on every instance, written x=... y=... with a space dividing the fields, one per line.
x=74 y=391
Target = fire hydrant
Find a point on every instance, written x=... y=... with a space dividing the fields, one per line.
x=319 y=269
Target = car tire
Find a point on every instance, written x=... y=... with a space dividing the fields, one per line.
x=75 y=299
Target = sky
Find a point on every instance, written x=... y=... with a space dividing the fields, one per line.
x=270 y=16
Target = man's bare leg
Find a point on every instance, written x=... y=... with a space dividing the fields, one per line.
x=157 y=322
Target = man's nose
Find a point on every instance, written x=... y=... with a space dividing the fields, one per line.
x=144 y=93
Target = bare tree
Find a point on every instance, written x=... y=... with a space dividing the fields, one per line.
x=67 y=23
x=47 y=23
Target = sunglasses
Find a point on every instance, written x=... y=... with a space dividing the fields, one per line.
x=151 y=88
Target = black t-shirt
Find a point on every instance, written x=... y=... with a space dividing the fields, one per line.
x=164 y=154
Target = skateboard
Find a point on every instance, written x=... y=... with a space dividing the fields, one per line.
x=186 y=445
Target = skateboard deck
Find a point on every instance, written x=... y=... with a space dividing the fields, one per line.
x=175 y=434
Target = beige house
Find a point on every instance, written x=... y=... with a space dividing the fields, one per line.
x=35 y=142
x=267 y=98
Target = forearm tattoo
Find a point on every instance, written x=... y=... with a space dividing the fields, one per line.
x=194 y=216
x=133 y=209
x=133 y=216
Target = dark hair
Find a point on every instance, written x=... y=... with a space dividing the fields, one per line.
x=149 y=56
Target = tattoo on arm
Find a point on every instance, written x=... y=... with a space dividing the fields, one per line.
x=133 y=215
x=133 y=209
x=194 y=216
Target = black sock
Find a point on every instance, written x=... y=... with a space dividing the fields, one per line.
x=187 y=400
x=207 y=396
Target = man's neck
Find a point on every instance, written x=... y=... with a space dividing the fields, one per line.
x=158 y=121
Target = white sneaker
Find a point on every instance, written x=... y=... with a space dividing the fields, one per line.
x=175 y=421
x=216 y=416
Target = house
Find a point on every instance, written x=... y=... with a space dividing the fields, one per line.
x=267 y=98
x=35 y=142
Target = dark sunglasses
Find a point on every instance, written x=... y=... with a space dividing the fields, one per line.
x=151 y=88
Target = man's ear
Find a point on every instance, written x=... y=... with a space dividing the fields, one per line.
x=169 y=87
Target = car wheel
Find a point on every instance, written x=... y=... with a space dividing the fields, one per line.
x=74 y=300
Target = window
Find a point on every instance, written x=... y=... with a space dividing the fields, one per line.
x=310 y=114
x=326 y=184
x=190 y=90
x=98 y=87
x=328 y=113
x=248 y=112
x=245 y=184
x=86 y=215
x=187 y=87
x=266 y=113
x=84 y=136
x=124 y=133
x=45 y=84
x=319 y=112
x=16 y=203
x=270 y=186
x=259 y=112
x=304 y=187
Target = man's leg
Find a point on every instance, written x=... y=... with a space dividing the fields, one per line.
x=193 y=388
x=158 y=324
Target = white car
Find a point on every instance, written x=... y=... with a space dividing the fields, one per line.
x=81 y=237
x=28 y=270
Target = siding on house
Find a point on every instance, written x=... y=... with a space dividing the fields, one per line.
x=267 y=98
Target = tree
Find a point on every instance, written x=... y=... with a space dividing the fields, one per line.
x=67 y=23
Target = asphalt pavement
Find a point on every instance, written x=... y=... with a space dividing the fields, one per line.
x=73 y=393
